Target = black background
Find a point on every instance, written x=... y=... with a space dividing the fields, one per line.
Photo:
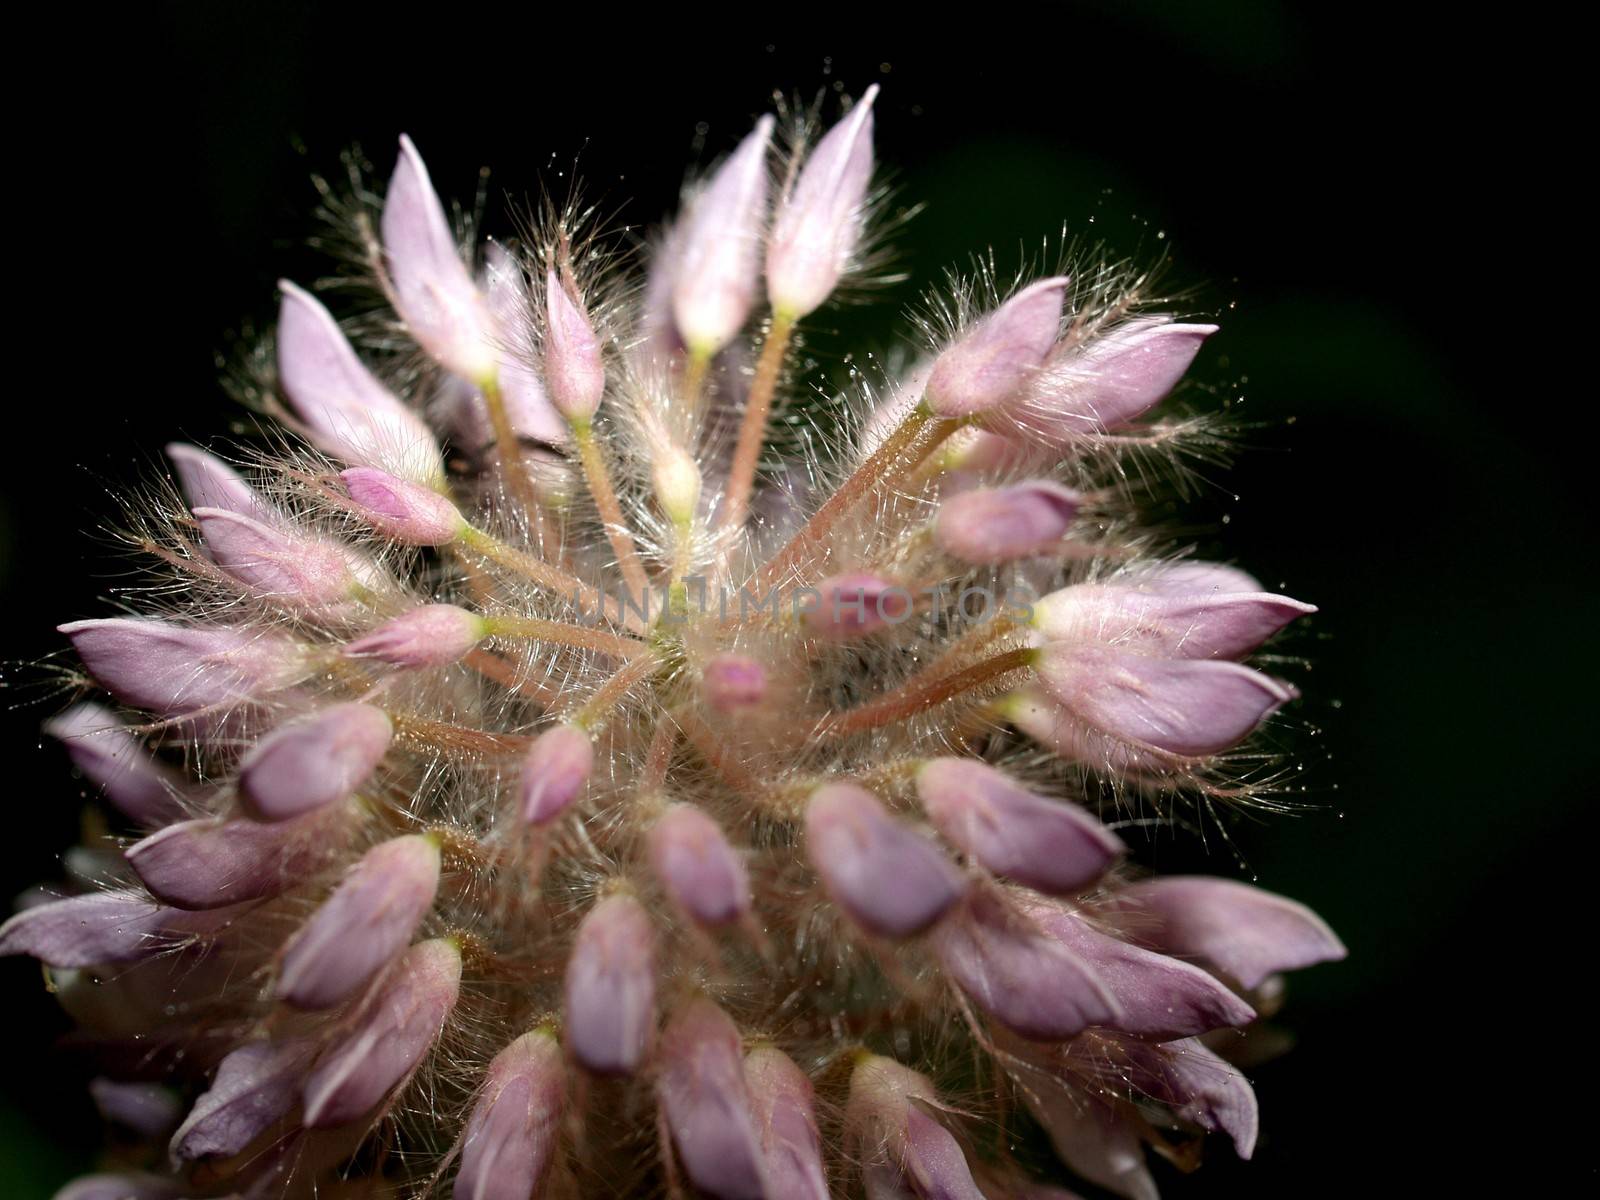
x=1356 y=195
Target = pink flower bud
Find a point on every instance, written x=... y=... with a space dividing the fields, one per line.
x=113 y=759
x=255 y=1087
x=1156 y=996
x=1099 y=1142
x=1047 y=844
x=434 y=635
x=103 y=929
x=510 y=1138
x=1190 y=708
x=784 y=1106
x=208 y=482
x=856 y=604
x=1172 y=625
x=676 y=478
x=1019 y=975
x=1195 y=579
x=443 y=309
x=611 y=986
x=992 y=360
x=276 y=562
x=522 y=390
x=886 y=875
x=1198 y=1085
x=1106 y=384
x=346 y=410
x=1055 y=728
x=314 y=761
x=733 y=683
x=657 y=328
x=401 y=510
x=573 y=366
x=401 y=1020
x=1242 y=931
x=369 y=919
x=86 y=931
x=719 y=263
x=818 y=226
x=996 y=525
x=174 y=669
x=904 y=1150
x=213 y=862
x=701 y=873
x=703 y=1096
x=554 y=772
x=978 y=450
x=148 y=1109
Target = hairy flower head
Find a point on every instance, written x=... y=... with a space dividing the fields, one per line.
x=536 y=783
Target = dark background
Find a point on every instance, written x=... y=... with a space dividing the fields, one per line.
x=1351 y=189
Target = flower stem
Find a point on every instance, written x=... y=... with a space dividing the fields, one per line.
x=659 y=756
x=922 y=692
x=717 y=756
x=693 y=382
x=442 y=736
x=549 y=577
x=598 y=476
x=594 y=710
x=753 y=426
x=912 y=441
x=509 y=449
x=559 y=632
x=492 y=666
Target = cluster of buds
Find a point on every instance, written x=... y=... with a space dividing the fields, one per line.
x=445 y=863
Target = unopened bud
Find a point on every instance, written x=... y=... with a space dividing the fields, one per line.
x=314 y=761
x=574 y=368
x=733 y=683
x=112 y=758
x=434 y=635
x=611 y=987
x=174 y=669
x=255 y=1086
x=1046 y=844
x=706 y=1103
x=442 y=307
x=697 y=867
x=404 y=511
x=677 y=483
x=510 y=1138
x=719 y=257
x=399 y=1024
x=990 y=362
x=368 y=920
x=554 y=772
x=857 y=604
x=214 y=861
x=345 y=409
x=818 y=226
x=886 y=875
x=903 y=1149
x=989 y=526
x=1187 y=707
x=276 y=561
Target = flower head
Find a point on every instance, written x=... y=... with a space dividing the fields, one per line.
x=532 y=783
